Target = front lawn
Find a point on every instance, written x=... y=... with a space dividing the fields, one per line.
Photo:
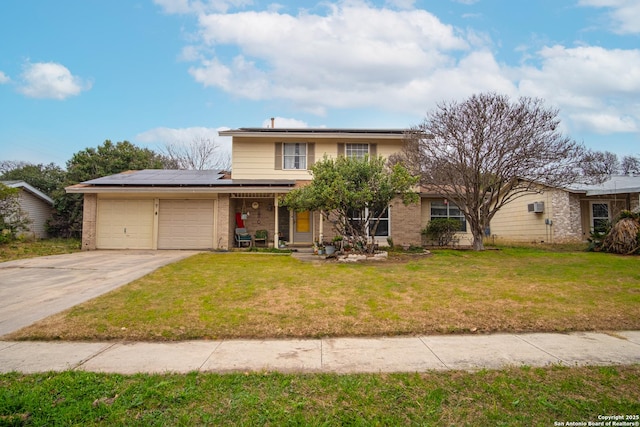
x=243 y=295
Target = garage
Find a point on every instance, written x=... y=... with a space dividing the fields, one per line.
x=186 y=224
x=124 y=224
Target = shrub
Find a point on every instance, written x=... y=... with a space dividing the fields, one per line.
x=624 y=235
x=441 y=230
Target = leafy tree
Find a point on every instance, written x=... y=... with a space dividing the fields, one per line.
x=46 y=178
x=108 y=159
x=12 y=218
x=354 y=188
x=486 y=151
x=91 y=163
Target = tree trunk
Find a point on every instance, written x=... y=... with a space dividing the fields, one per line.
x=478 y=240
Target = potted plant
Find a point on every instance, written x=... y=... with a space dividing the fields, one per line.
x=331 y=248
x=318 y=248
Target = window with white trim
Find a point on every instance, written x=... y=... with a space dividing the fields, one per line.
x=448 y=210
x=294 y=155
x=600 y=216
x=383 y=226
x=358 y=151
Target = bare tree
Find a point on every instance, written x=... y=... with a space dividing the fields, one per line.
x=630 y=165
x=600 y=164
x=486 y=151
x=10 y=165
x=202 y=153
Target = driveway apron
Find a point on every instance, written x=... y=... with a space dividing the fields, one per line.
x=35 y=288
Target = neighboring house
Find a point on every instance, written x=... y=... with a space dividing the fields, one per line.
x=565 y=215
x=37 y=205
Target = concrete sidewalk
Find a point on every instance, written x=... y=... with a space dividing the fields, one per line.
x=336 y=355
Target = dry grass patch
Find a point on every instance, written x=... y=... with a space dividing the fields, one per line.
x=20 y=249
x=213 y=296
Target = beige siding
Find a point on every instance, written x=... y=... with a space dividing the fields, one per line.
x=38 y=212
x=254 y=158
x=513 y=222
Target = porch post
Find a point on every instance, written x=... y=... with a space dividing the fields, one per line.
x=321 y=237
x=276 y=237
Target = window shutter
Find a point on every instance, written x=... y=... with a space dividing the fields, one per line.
x=278 y=164
x=373 y=151
x=340 y=149
x=311 y=154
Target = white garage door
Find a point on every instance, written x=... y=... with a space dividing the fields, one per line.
x=124 y=224
x=185 y=224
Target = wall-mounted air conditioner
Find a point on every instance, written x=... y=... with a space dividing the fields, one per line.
x=536 y=207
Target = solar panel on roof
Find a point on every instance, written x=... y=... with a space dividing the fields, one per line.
x=160 y=177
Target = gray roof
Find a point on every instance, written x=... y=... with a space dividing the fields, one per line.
x=25 y=186
x=179 y=178
x=615 y=184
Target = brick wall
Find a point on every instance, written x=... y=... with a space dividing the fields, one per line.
x=405 y=223
x=89 y=224
x=567 y=222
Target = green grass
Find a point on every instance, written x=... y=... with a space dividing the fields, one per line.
x=242 y=295
x=522 y=396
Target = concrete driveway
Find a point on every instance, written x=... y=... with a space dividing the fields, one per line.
x=35 y=288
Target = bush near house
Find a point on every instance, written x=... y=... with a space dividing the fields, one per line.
x=624 y=235
x=441 y=230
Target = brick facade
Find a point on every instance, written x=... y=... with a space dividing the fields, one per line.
x=89 y=224
x=567 y=223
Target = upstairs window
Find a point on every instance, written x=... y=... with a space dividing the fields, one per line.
x=357 y=151
x=294 y=155
x=447 y=210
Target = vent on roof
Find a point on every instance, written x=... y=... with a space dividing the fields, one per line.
x=536 y=207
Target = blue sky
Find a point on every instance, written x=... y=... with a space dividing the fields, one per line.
x=74 y=73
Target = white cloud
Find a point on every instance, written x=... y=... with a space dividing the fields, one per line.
x=355 y=55
x=4 y=78
x=624 y=14
x=605 y=123
x=595 y=88
x=162 y=136
x=50 y=80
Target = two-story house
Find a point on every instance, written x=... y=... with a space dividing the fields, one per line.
x=182 y=209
